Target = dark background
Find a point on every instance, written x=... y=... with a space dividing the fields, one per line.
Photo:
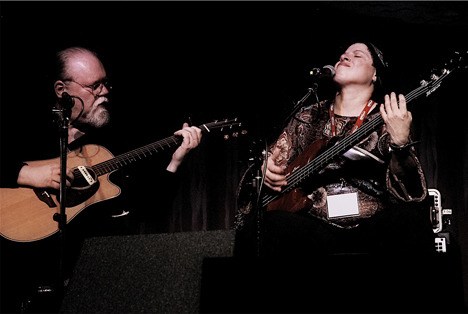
x=173 y=61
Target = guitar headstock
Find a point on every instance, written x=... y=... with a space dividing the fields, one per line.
x=231 y=127
x=457 y=60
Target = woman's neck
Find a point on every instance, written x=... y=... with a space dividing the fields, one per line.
x=350 y=102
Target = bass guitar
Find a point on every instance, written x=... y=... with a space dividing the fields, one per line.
x=28 y=214
x=318 y=155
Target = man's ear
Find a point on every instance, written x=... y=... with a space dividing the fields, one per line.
x=59 y=87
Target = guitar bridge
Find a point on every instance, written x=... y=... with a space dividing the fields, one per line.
x=44 y=196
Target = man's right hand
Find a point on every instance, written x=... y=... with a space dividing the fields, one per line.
x=43 y=176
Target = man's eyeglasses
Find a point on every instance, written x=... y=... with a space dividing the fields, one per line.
x=95 y=88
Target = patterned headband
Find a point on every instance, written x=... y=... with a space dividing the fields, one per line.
x=376 y=52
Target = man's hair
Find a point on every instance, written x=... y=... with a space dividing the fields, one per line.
x=62 y=58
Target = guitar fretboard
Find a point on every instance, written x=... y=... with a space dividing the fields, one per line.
x=149 y=150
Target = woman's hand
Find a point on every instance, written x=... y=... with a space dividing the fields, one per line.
x=397 y=119
x=274 y=175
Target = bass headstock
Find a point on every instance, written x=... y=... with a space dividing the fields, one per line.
x=457 y=60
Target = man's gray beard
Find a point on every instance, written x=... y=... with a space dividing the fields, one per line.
x=100 y=119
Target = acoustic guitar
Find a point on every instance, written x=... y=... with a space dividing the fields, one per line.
x=28 y=214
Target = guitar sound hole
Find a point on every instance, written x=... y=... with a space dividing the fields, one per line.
x=81 y=190
x=80 y=180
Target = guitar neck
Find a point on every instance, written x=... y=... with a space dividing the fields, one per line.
x=149 y=150
x=135 y=155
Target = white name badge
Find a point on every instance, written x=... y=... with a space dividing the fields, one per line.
x=342 y=205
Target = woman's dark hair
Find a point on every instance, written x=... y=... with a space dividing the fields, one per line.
x=381 y=66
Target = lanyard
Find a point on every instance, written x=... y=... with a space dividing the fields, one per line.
x=358 y=122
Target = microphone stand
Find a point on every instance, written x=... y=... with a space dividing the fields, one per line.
x=300 y=102
x=258 y=179
x=63 y=112
x=257 y=184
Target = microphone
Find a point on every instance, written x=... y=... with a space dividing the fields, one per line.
x=327 y=71
x=66 y=101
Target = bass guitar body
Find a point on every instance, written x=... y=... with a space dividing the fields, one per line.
x=295 y=199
